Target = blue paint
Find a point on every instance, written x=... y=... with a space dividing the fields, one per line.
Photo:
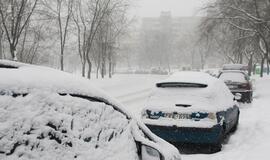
x=188 y=135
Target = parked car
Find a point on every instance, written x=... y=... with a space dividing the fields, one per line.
x=238 y=82
x=49 y=114
x=193 y=108
x=240 y=67
x=159 y=70
x=212 y=72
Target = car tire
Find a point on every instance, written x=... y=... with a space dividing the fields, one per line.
x=216 y=147
x=234 y=128
x=250 y=98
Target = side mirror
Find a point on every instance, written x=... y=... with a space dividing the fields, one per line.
x=149 y=153
x=237 y=96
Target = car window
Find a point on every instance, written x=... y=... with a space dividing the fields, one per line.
x=53 y=126
x=233 y=77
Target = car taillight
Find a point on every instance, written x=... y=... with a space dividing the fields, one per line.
x=245 y=86
x=212 y=116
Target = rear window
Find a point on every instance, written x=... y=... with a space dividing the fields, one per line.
x=233 y=77
x=180 y=85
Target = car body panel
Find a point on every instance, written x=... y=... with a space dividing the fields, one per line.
x=207 y=120
x=239 y=87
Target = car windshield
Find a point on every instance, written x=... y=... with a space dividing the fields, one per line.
x=53 y=126
x=233 y=77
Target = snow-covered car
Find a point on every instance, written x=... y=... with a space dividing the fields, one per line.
x=192 y=108
x=49 y=114
x=240 y=67
x=238 y=82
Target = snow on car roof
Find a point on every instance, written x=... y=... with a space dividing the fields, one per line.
x=190 y=77
x=233 y=76
x=213 y=97
x=234 y=67
x=22 y=78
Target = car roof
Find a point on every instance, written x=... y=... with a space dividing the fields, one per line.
x=234 y=67
x=23 y=78
x=191 y=77
x=233 y=71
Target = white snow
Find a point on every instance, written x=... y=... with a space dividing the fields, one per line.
x=190 y=77
x=45 y=125
x=215 y=97
x=250 y=142
x=29 y=77
x=233 y=77
x=235 y=67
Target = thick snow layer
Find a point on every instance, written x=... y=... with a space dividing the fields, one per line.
x=45 y=125
x=190 y=77
x=233 y=77
x=132 y=90
x=215 y=97
x=42 y=124
x=26 y=78
x=235 y=67
x=251 y=140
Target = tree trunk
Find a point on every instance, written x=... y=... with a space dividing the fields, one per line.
x=241 y=58
x=1 y=51
x=62 y=60
x=262 y=67
x=13 y=52
x=103 y=68
x=267 y=62
x=83 y=68
x=89 y=69
x=250 y=64
x=254 y=68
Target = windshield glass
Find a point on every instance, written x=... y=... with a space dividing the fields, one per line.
x=233 y=77
x=48 y=125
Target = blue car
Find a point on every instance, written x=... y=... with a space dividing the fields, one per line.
x=192 y=108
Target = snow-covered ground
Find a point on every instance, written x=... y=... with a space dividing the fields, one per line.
x=130 y=89
x=250 y=142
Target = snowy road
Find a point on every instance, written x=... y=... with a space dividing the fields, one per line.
x=250 y=142
x=131 y=90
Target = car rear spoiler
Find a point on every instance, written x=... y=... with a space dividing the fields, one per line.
x=180 y=85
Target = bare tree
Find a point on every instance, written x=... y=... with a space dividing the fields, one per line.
x=15 y=15
x=61 y=12
x=246 y=23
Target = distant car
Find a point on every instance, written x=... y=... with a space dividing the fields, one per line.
x=238 y=82
x=159 y=71
x=49 y=114
x=240 y=67
x=213 y=72
x=193 y=108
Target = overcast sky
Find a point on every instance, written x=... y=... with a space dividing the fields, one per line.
x=152 y=8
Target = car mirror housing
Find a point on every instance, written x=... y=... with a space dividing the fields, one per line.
x=237 y=96
x=149 y=153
